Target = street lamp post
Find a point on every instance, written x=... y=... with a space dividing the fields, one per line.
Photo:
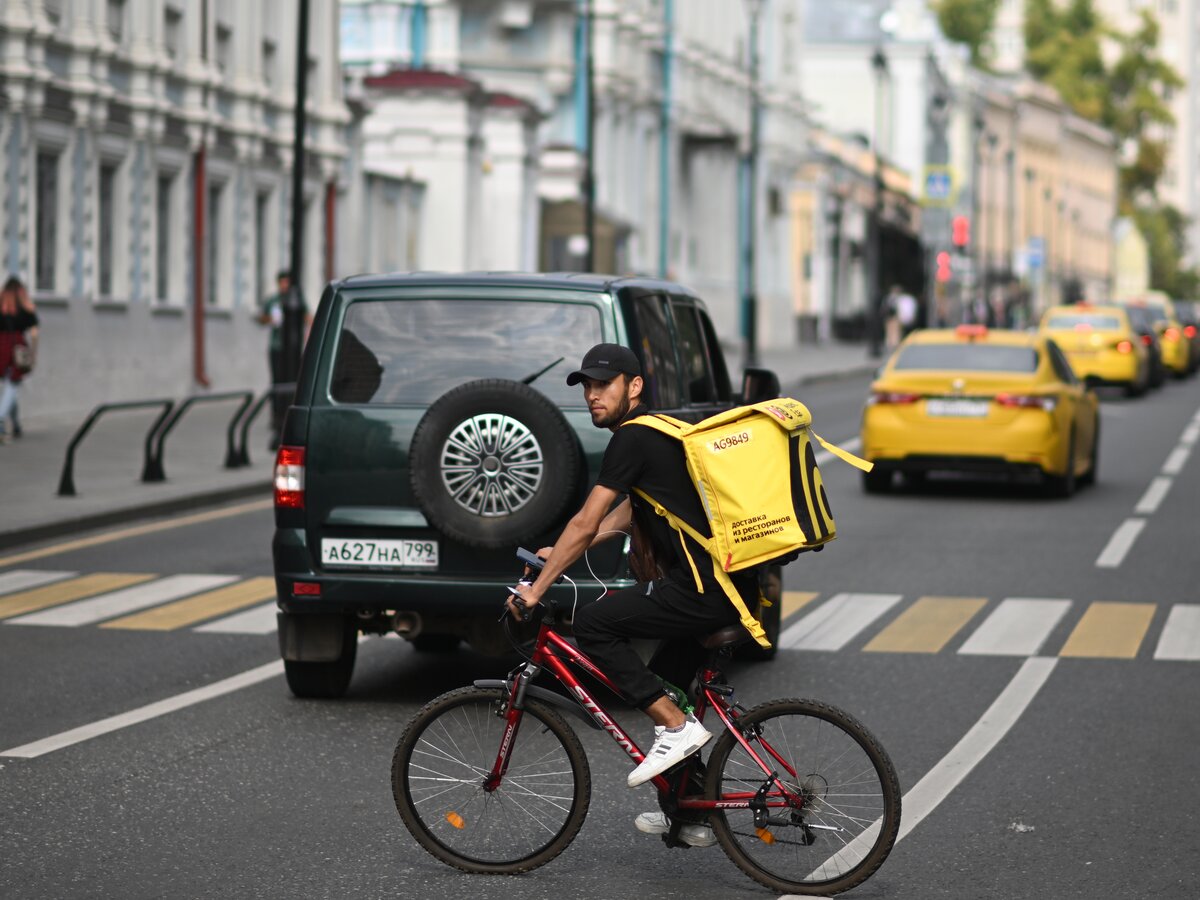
x=589 y=167
x=875 y=280
x=750 y=299
x=293 y=304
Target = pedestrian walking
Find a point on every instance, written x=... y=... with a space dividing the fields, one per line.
x=18 y=346
x=270 y=313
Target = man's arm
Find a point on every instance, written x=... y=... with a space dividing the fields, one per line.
x=579 y=534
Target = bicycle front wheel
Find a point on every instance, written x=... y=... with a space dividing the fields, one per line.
x=439 y=771
x=850 y=816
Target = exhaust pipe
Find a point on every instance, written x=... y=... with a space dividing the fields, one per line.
x=406 y=624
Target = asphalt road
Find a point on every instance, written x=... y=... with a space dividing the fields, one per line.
x=1045 y=741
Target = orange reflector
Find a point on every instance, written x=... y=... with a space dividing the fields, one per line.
x=765 y=836
x=456 y=820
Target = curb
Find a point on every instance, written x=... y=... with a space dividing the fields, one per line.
x=35 y=533
x=840 y=374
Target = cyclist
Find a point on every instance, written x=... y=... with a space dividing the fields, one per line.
x=686 y=602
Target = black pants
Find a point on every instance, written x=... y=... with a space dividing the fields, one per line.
x=670 y=612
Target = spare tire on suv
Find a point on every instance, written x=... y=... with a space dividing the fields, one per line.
x=494 y=463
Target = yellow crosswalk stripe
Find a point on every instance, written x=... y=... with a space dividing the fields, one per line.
x=1110 y=631
x=927 y=625
x=198 y=608
x=66 y=591
x=794 y=600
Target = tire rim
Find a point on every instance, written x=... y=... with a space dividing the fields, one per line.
x=492 y=465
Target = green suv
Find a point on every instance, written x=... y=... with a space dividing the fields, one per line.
x=432 y=432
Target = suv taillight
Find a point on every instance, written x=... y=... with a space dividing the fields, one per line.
x=289 y=477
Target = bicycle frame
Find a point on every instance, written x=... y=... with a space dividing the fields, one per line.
x=553 y=653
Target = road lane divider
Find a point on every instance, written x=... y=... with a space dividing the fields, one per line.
x=199 y=608
x=1127 y=532
x=926 y=626
x=145 y=713
x=1110 y=631
x=1120 y=543
x=1019 y=626
x=1153 y=497
x=928 y=793
x=66 y=591
x=121 y=534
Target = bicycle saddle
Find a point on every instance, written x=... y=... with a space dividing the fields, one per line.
x=727 y=636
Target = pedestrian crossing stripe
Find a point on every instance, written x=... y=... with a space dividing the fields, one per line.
x=1014 y=626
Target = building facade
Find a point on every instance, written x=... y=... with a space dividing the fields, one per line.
x=502 y=87
x=145 y=190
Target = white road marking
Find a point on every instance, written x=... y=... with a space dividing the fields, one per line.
x=930 y=791
x=1119 y=544
x=1175 y=462
x=115 y=603
x=1017 y=627
x=23 y=579
x=1190 y=434
x=255 y=620
x=1153 y=497
x=1180 y=638
x=835 y=623
x=144 y=713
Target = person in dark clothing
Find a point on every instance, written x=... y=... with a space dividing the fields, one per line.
x=18 y=347
x=683 y=603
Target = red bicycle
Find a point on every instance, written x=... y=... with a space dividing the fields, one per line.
x=799 y=794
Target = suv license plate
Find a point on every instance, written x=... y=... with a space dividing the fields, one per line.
x=970 y=409
x=392 y=554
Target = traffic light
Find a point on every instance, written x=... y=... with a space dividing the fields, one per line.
x=943 y=266
x=961 y=231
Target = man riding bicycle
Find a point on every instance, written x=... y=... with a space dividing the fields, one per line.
x=685 y=602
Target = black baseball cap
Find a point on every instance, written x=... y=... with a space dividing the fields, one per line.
x=604 y=362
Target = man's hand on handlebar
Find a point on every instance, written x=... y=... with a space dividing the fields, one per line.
x=521 y=600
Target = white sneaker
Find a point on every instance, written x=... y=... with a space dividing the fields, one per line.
x=692 y=835
x=669 y=749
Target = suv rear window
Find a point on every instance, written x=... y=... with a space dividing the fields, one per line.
x=413 y=351
x=971 y=357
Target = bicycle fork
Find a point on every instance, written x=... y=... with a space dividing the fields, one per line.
x=512 y=712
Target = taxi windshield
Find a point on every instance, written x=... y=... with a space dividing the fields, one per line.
x=969 y=357
x=1081 y=321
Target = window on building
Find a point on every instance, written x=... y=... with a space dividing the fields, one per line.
x=262 y=207
x=270 y=63
x=224 y=41
x=212 y=233
x=106 y=222
x=45 y=230
x=172 y=29
x=116 y=20
x=162 y=237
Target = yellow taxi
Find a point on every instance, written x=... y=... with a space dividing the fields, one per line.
x=1157 y=309
x=978 y=400
x=1101 y=345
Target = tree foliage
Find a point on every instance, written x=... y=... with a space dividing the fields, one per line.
x=1063 y=49
x=969 y=22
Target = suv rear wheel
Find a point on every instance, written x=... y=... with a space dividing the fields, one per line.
x=493 y=463
x=324 y=680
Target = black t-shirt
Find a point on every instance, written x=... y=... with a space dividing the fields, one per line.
x=640 y=457
x=22 y=320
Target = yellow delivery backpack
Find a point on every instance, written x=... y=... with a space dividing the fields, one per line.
x=756 y=472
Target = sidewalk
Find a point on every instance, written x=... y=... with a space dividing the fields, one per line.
x=108 y=462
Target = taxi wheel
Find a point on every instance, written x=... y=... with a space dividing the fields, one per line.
x=877 y=481
x=1064 y=485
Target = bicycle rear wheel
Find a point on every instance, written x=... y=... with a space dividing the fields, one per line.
x=851 y=814
x=438 y=774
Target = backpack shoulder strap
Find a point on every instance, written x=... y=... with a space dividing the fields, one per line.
x=664 y=424
x=844 y=455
